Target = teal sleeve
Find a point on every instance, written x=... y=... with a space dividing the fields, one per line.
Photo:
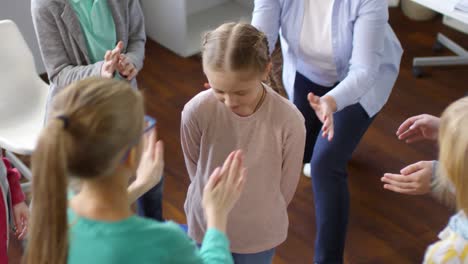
x=215 y=249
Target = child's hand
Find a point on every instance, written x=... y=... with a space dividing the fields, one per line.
x=414 y=179
x=111 y=60
x=21 y=214
x=151 y=166
x=223 y=190
x=126 y=68
x=419 y=127
x=324 y=107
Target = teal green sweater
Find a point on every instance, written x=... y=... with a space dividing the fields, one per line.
x=138 y=240
x=97 y=24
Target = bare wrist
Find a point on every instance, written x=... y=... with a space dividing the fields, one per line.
x=136 y=190
x=216 y=220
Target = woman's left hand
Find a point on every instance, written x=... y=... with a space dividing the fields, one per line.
x=324 y=108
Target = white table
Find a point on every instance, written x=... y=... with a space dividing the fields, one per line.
x=445 y=7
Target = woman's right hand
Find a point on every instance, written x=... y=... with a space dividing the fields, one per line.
x=223 y=190
x=111 y=60
x=419 y=127
x=324 y=108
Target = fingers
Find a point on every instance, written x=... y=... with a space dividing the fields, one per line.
x=114 y=55
x=118 y=49
x=132 y=74
x=397 y=189
x=107 y=56
x=21 y=227
x=407 y=124
x=408 y=134
x=392 y=177
x=23 y=233
x=401 y=185
x=415 y=138
x=115 y=59
x=146 y=141
x=417 y=129
x=123 y=62
x=227 y=162
x=412 y=129
x=126 y=67
x=331 y=133
x=314 y=101
x=214 y=179
x=110 y=55
x=328 y=127
x=151 y=142
x=18 y=225
x=120 y=46
x=106 y=66
x=159 y=152
x=418 y=123
x=126 y=71
x=326 y=123
x=111 y=65
x=236 y=168
x=241 y=180
x=399 y=181
x=410 y=169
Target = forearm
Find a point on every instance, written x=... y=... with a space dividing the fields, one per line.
x=66 y=75
x=216 y=220
x=135 y=191
x=135 y=50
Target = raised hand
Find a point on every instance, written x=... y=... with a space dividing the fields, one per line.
x=111 y=59
x=223 y=190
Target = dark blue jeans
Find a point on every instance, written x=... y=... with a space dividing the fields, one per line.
x=150 y=204
x=264 y=257
x=328 y=164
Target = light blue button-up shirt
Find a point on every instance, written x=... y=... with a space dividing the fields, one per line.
x=367 y=53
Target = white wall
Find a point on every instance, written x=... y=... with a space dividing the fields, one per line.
x=247 y=3
x=165 y=22
x=194 y=6
x=20 y=12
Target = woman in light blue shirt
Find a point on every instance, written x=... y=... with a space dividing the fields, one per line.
x=341 y=61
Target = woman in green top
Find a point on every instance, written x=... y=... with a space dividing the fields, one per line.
x=93 y=134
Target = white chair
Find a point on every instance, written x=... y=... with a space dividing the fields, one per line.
x=23 y=97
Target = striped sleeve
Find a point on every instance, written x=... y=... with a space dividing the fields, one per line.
x=451 y=249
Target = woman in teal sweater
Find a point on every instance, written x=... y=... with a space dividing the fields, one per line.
x=93 y=134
